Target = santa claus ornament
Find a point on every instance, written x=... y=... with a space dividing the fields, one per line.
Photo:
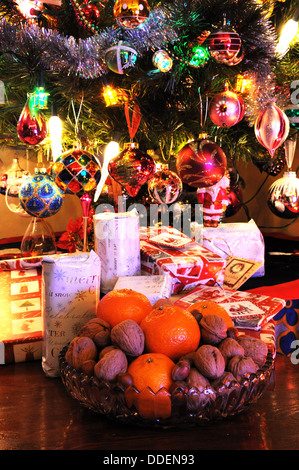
x=214 y=200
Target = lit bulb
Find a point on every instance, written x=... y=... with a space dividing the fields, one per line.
x=55 y=130
x=111 y=151
x=288 y=33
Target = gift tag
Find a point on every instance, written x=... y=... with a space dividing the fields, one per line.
x=238 y=271
x=171 y=240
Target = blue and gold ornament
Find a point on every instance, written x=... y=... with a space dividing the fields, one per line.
x=40 y=197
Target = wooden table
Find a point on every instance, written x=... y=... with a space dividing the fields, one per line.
x=36 y=413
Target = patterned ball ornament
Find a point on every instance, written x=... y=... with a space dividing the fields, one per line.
x=283 y=196
x=76 y=172
x=227 y=108
x=121 y=58
x=224 y=46
x=129 y=14
x=165 y=187
x=201 y=163
x=40 y=197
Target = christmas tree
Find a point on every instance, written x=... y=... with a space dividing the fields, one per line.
x=150 y=71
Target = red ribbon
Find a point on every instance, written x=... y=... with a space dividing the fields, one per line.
x=136 y=118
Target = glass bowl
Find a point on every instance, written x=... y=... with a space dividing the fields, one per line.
x=183 y=406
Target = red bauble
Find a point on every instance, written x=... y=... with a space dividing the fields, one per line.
x=91 y=11
x=32 y=125
x=226 y=108
x=131 y=168
x=235 y=201
x=201 y=163
x=224 y=45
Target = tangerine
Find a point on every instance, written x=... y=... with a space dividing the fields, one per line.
x=209 y=307
x=170 y=330
x=151 y=370
x=123 y=304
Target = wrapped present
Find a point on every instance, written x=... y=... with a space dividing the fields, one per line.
x=287 y=319
x=246 y=309
x=20 y=310
x=187 y=262
x=70 y=296
x=243 y=240
x=153 y=287
x=118 y=246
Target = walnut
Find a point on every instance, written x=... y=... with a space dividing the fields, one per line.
x=229 y=347
x=98 y=330
x=209 y=361
x=80 y=349
x=129 y=337
x=213 y=329
x=254 y=348
x=111 y=364
x=239 y=366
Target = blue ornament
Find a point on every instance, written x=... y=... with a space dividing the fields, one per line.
x=40 y=196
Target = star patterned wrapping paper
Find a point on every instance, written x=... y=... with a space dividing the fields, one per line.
x=70 y=295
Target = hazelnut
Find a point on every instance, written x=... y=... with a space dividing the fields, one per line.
x=196 y=379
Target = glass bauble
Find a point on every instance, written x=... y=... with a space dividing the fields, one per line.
x=162 y=61
x=121 y=58
x=131 y=13
x=40 y=196
x=224 y=45
x=165 y=187
x=32 y=125
x=131 y=168
x=226 y=108
x=283 y=196
x=272 y=128
x=293 y=115
x=76 y=171
x=38 y=239
x=201 y=163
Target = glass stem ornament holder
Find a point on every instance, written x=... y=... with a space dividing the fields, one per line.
x=38 y=239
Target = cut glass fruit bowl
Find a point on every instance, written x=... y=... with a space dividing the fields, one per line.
x=183 y=406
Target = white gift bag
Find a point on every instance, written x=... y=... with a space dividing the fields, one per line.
x=117 y=244
x=70 y=295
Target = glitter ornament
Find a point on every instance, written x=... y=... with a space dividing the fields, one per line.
x=272 y=128
x=76 y=171
x=199 y=56
x=201 y=163
x=131 y=13
x=39 y=195
x=283 y=196
x=120 y=58
x=165 y=187
x=32 y=125
x=226 y=108
x=131 y=168
x=162 y=61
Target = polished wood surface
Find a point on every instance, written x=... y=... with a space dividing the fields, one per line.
x=36 y=413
